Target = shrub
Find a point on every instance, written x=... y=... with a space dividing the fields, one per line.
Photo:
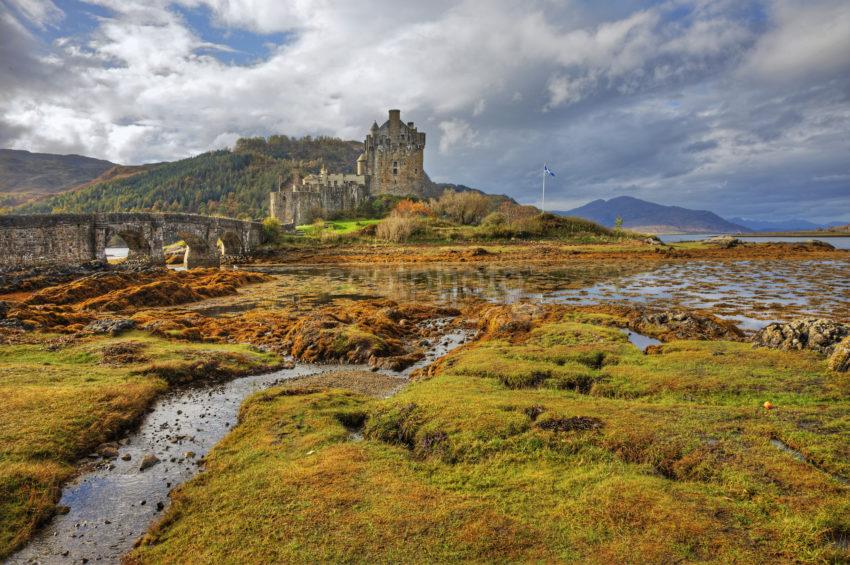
x=398 y=228
x=377 y=206
x=494 y=220
x=412 y=208
x=272 y=229
x=318 y=228
x=467 y=208
x=513 y=220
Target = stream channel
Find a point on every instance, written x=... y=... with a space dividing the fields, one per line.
x=111 y=505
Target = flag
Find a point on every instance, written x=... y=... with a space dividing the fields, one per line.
x=547 y=171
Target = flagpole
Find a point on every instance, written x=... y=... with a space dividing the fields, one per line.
x=543 y=200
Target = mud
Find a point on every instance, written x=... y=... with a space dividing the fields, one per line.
x=379 y=385
x=542 y=252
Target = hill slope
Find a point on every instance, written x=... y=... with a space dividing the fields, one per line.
x=26 y=176
x=649 y=217
x=794 y=224
x=233 y=183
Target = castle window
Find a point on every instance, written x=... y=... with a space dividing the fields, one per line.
x=395 y=167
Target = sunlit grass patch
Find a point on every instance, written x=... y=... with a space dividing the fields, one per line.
x=59 y=401
x=662 y=458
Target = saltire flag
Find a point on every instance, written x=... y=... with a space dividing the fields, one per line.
x=547 y=171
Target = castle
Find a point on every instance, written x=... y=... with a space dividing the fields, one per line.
x=391 y=163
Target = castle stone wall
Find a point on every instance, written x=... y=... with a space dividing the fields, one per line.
x=316 y=197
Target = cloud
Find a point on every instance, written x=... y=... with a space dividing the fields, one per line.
x=728 y=105
x=456 y=133
x=806 y=41
x=41 y=13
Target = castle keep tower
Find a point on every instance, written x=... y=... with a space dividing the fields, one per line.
x=393 y=158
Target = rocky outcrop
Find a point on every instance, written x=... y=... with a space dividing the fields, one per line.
x=684 y=325
x=817 y=334
x=723 y=241
x=111 y=326
x=819 y=244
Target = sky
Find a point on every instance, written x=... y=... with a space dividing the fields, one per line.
x=741 y=107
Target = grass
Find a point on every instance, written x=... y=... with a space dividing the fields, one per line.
x=575 y=230
x=339 y=227
x=61 y=399
x=564 y=443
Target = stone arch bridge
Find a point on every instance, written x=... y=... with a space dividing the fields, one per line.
x=75 y=238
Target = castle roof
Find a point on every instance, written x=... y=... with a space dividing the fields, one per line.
x=386 y=126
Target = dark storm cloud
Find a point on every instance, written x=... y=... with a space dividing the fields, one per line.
x=732 y=106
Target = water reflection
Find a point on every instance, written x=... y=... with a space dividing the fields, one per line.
x=752 y=293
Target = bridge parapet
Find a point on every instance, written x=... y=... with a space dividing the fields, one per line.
x=75 y=238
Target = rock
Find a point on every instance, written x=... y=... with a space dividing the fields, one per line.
x=653 y=241
x=126 y=457
x=159 y=506
x=148 y=461
x=723 y=241
x=820 y=244
x=396 y=362
x=108 y=451
x=16 y=324
x=4 y=308
x=110 y=326
x=678 y=324
x=477 y=252
x=62 y=509
x=839 y=361
x=817 y=334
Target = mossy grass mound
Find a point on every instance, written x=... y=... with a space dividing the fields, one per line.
x=654 y=458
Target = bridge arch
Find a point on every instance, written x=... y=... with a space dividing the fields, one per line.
x=200 y=251
x=138 y=246
x=230 y=243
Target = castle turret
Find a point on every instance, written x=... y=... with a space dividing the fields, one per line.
x=361 y=164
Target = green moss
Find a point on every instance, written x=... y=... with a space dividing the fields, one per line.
x=662 y=458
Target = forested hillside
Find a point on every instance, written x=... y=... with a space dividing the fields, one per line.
x=232 y=183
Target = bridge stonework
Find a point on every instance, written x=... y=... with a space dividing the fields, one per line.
x=76 y=238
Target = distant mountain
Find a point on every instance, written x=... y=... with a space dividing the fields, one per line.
x=232 y=183
x=794 y=224
x=26 y=176
x=640 y=215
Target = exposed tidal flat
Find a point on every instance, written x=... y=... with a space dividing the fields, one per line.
x=546 y=435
